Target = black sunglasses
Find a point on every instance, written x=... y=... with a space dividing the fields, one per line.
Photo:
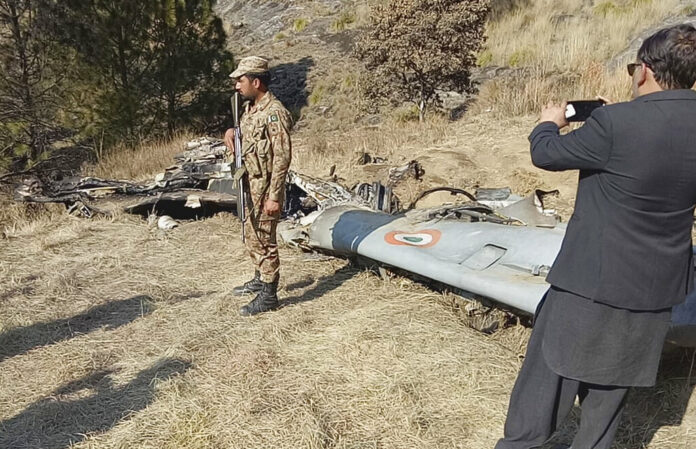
x=634 y=65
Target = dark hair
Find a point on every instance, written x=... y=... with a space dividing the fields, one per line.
x=671 y=54
x=264 y=77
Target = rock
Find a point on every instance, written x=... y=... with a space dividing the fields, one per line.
x=165 y=222
x=629 y=54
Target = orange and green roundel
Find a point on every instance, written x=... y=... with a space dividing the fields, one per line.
x=423 y=239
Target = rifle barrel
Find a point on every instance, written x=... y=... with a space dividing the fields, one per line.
x=238 y=162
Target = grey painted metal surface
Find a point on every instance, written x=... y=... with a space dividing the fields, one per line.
x=507 y=264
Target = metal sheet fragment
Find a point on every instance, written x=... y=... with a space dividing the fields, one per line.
x=193 y=201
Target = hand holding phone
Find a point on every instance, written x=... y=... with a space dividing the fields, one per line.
x=580 y=110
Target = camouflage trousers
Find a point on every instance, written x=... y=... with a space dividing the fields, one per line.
x=261 y=241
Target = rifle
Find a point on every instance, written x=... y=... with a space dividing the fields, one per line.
x=239 y=170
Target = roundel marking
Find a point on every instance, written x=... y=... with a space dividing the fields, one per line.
x=423 y=239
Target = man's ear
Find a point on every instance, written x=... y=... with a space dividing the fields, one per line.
x=256 y=83
x=645 y=73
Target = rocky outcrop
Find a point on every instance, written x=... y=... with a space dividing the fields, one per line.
x=255 y=22
x=301 y=57
x=629 y=53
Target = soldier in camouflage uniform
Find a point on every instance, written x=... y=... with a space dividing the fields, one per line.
x=266 y=150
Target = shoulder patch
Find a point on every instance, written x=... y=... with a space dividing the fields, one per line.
x=273 y=128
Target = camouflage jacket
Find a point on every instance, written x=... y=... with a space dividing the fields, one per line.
x=266 y=146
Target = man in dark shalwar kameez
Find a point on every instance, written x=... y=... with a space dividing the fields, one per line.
x=627 y=254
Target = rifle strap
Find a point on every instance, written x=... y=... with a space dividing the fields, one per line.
x=239 y=173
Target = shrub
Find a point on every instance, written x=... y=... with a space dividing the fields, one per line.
x=316 y=96
x=605 y=8
x=519 y=57
x=405 y=114
x=299 y=25
x=415 y=48
x=484 y=58
x=344 y=21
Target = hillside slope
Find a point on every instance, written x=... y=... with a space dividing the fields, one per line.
x=114 y=334
x=309 y=45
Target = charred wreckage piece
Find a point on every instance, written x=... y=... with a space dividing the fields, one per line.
x=496 y=250
x=495 y=245
x=198 y=185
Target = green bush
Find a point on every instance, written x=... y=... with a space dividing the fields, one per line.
x=605 y=8
x=519 y=57
x=348 y=82
x=344 y=21
x=405 y=114
x=299 y=25
x=484 y=58
x=316 y=96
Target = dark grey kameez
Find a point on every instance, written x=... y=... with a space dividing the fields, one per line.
x=595 y=343
x=624 y=349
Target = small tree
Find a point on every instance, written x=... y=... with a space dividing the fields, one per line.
x=29 y=85
x=111 y=38
x=415 y=48
x=155 y=64
x=190 y=70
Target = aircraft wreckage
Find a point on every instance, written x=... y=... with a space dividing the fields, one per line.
x=496 y=245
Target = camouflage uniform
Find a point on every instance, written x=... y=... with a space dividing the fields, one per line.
x=266 y=149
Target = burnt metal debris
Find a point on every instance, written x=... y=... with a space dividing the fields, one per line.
x=199 y=183
x=493 y=243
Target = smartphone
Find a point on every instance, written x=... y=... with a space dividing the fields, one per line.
x=579 y=111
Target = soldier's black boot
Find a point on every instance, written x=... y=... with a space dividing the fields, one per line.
x=266 y=300
x=252 y=286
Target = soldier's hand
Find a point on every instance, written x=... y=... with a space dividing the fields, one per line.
x=271 y=207
x=229 y=140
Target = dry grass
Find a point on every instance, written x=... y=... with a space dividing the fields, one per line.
x=140 y=162
x=21 y=217
x=142 y=347
x=525 y=94
x=321 y=373
x=561 y=35
x=114 y=334
x=563 y=47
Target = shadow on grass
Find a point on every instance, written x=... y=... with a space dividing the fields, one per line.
x=302 y=283
x=324 y=285
x=89 y=405
x=111 y=315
